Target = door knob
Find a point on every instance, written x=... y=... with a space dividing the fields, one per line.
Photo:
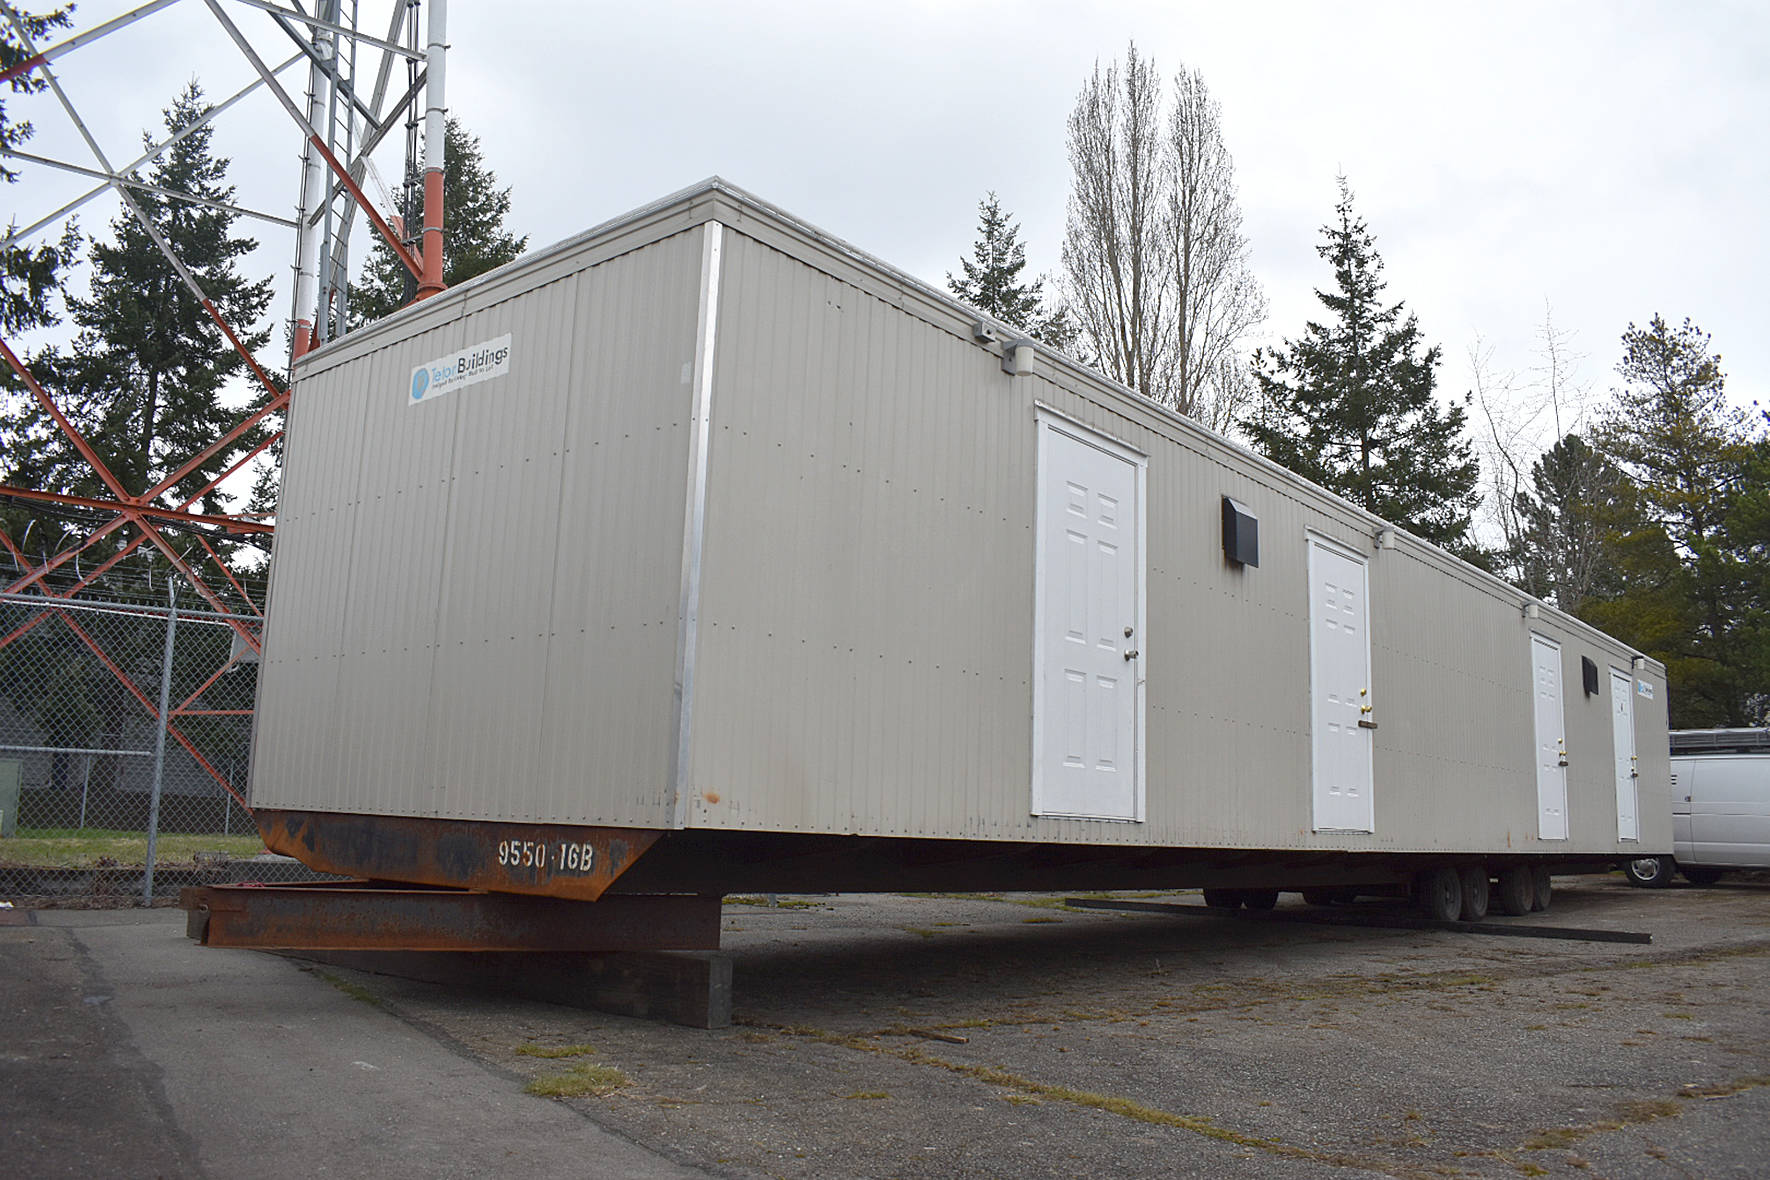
x=1132 y=654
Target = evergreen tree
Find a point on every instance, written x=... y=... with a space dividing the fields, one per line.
x=29 y=275
x=1745 y=540
x=993 y=284
x=145 y=377
x=474 y=237
x=1351 y=406
x=1570 y=522
x=1697 y=464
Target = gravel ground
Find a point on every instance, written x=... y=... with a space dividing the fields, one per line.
x=1011 y=1036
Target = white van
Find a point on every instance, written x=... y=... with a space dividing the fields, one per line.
x=1720 y=807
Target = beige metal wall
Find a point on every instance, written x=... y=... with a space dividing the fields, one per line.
x=865 y=653
x=474 y=612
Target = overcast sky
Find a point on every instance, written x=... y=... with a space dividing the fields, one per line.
x=1607 y=160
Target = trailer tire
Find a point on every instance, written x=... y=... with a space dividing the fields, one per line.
x=1700 y=874
x=1649 y=872
x=1517 y=892
x=1223 y=899
x=1441 y=893
x=1543 y=886
x=1321 y=897
x=1259 y=899
x=1475 y=892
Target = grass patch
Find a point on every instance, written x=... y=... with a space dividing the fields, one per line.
x=1725 y=1089
x=1644 y=1110
x=866 y=1095
x=593 y=1081
x=355 y=991
x=781 y=902
x=554 y=1051
x=1030 y=1092
x=89 y=848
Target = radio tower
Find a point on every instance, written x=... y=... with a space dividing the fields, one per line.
x=341 y=121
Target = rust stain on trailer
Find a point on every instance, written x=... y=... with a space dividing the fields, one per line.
x=549 y=860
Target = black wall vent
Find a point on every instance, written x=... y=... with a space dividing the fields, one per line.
x=1241 y=533
x=1590 y=671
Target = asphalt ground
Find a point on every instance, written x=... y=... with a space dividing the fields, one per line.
x=927 y=1036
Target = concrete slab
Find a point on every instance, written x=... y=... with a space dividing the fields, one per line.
x=132 y=1051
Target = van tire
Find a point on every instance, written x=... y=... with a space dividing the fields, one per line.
x=1649 y=872
x=1321 y=897
x=1700 y=874
x=1517 y=891
x=1223 y=899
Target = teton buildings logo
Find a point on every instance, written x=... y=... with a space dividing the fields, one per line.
x=468 y=366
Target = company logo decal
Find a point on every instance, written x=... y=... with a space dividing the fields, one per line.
x=469 y=366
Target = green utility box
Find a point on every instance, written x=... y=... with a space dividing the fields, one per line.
x=9 y=779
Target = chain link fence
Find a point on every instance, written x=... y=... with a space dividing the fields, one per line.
x=125 y=734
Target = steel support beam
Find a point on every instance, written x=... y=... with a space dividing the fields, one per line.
x=365 y=916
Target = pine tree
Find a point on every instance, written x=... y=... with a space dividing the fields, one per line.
x=993 y=285
x=1350 y=405
x=30 y=283
x=1697 y=464
x=1579 y=507
x=29 y=275
x=474 y=237
x=145 y=378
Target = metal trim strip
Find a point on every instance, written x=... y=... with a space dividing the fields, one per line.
x=694 y=519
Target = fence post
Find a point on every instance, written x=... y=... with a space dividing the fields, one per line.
x=147 y=884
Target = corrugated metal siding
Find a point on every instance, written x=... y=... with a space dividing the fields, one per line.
x=497 y=639
x=865 y=657
x=862 y=660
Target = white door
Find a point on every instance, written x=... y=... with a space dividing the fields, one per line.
x=1551 y=739
x=1087 y=712
x=1343 y=713
x=1622 y=738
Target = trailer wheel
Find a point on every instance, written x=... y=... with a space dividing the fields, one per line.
x=1700 y=874
x=1441 y=893
x=1321 y=897
x=1517 y=892
x=1543 y=885
x=1475 y=892
x=1223 y=899
x=1649 y=872
x=1259 y=899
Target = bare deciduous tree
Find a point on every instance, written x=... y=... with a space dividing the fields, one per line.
x=1156 y=265
x=1216 y=298
x=1524 y=420
x=1114 y=247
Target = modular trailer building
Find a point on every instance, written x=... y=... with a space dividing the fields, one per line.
x=704 y=552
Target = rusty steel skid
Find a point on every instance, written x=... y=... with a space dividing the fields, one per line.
x=363 y=915
x=549 y=860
